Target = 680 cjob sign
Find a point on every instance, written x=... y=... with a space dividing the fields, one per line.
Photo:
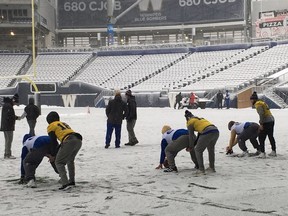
x=93 y=13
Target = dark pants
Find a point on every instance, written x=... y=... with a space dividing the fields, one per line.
x=130 y=128
x=176 y=146
x=227 y=103
x=250 y=133
x=32 y=161
x=219 y=104
x=179 y=104
x=32 y=124
x=66 y=156
x=206 y=141
x=110 y=128
x=268 y=129
x=8 y=135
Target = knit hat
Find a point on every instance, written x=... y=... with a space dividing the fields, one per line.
x=188 y=114
x=165 y=128
x=117 y=92
x=230 y=124
x=52 y=116
x=15 y=98
x=128 y=92
x=26 y=136
x=254 y=96
x=31 y=100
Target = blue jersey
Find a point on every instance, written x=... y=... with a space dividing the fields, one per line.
x=167 y=138
x=34 y=142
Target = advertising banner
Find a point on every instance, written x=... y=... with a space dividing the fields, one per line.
x=272 y=24
x=93 y=13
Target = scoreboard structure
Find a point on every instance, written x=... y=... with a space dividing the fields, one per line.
x=93 y=14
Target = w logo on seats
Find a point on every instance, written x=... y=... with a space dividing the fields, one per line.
x=69 y=100
x=156 y=5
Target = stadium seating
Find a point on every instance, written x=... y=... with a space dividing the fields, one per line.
x=104 y=68
x=185 y=71
x=11 y=64
x=58 y=67
x=249 y=71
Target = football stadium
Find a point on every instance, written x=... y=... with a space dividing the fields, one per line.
x=76 y=53
x=100 y=65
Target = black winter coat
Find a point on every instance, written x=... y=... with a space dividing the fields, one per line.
x=8 y=116
x=179 y=97
x=132 y=108
x=32 y=111
x=219 y=96
x=116 y=110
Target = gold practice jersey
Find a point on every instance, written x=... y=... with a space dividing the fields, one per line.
x=60 y=129
x=199 y=124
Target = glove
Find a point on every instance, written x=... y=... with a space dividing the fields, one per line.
x=160 y=166
x=229 y=151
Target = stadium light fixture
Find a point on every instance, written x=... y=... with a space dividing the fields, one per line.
x=12 y=33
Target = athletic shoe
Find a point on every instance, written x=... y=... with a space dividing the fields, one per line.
x=210 y=170
x=262 y=155
x=22 y=181
x=257 y=153
x=71 y=183
x=107 y=146
x=132 y=143
x=199 y=173
x=9 y=157
x=135 y=142
x=117 y=146
x=244 y=154
x=31 y=184
x=65 y=187
x=272 y=154
x=174 y=169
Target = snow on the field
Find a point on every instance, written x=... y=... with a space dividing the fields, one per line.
x=124 y=181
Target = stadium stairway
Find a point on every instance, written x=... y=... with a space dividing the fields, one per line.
x=155 y=73
x=118 y=73
x=224 y=65
x=22 y=71
x=269 y=93
x=80 y=70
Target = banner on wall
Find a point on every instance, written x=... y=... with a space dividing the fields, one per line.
x=93 y=13
x=272 y=24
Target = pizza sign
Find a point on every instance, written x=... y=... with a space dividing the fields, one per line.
x=272 y=24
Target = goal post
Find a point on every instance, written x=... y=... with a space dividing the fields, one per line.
x=28 y=77
x=33 y=39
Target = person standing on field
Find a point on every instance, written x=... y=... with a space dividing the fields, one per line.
x=266 y=121
x=227 y=100
x=131 y=118
x=116 y=111
x=219 y=97
x=178 y=100
x=207 y=137
x=70 y=144
x=31 y=112
x=8 y=120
